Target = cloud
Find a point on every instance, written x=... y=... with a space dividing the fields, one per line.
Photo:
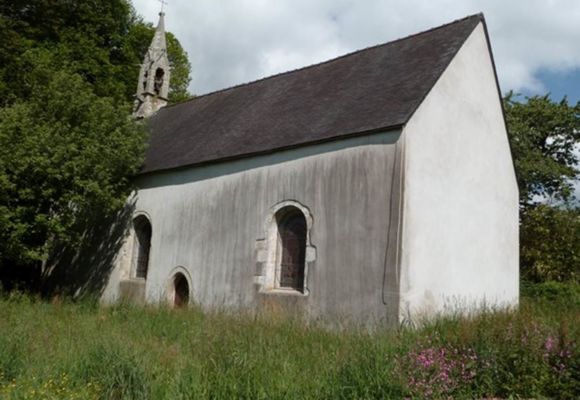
x=236 y=41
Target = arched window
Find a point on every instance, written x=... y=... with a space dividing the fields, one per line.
x=142 y=228
x=292 y=249
x=178 y=288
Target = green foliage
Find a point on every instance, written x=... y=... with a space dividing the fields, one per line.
x=562 y=292
x=102 y=41
x=84 y=34
x=68 y=74
x=543 y=134
x=134 y=352
x=550 y=244
x=180 y=70
x=65 y=154
x=114 y=370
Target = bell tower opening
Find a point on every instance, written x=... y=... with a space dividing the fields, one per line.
x=158 y=80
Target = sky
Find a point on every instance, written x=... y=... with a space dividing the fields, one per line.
x=536 y=43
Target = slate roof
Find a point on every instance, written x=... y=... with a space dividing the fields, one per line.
x=374 y=89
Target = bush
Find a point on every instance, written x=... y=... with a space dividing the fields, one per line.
x=550 y=245
x=566 y=294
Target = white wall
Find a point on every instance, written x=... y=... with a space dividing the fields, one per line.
x=460 y=229
x=212 y=221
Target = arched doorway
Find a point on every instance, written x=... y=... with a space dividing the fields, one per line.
x=181 y=291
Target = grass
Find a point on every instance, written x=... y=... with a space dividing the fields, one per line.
x=67 y=351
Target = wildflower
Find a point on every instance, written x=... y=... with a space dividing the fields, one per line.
x=549 y=344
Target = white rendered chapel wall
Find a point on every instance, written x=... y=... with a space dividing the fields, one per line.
x=213 y=221
x=460 y=229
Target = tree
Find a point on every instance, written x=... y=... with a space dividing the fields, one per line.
x=550 y=244
x=68 y=146
x=543 y=135
x=102 y=41
x=65 y=153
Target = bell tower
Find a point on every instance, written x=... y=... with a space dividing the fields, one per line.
x=153 y=87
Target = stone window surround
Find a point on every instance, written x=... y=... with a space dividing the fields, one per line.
x=268 y=254
x=129 y=258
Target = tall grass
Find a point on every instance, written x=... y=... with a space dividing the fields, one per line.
x=64 y=350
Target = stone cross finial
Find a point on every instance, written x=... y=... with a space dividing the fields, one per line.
x=163 y=3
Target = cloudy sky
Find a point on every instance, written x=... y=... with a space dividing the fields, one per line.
x=536 y=43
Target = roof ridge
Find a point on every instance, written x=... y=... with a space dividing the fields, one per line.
x=477 y=15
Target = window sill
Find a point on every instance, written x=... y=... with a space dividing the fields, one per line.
x=286 y=292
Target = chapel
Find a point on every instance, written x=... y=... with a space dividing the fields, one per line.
x=377 y=187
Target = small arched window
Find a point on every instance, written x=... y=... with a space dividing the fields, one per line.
x=142 y=228
x=181 y=288
x=292 y=249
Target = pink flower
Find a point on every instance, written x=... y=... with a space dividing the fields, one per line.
x=549 y=344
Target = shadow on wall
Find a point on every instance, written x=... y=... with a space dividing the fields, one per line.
x=83 y=271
